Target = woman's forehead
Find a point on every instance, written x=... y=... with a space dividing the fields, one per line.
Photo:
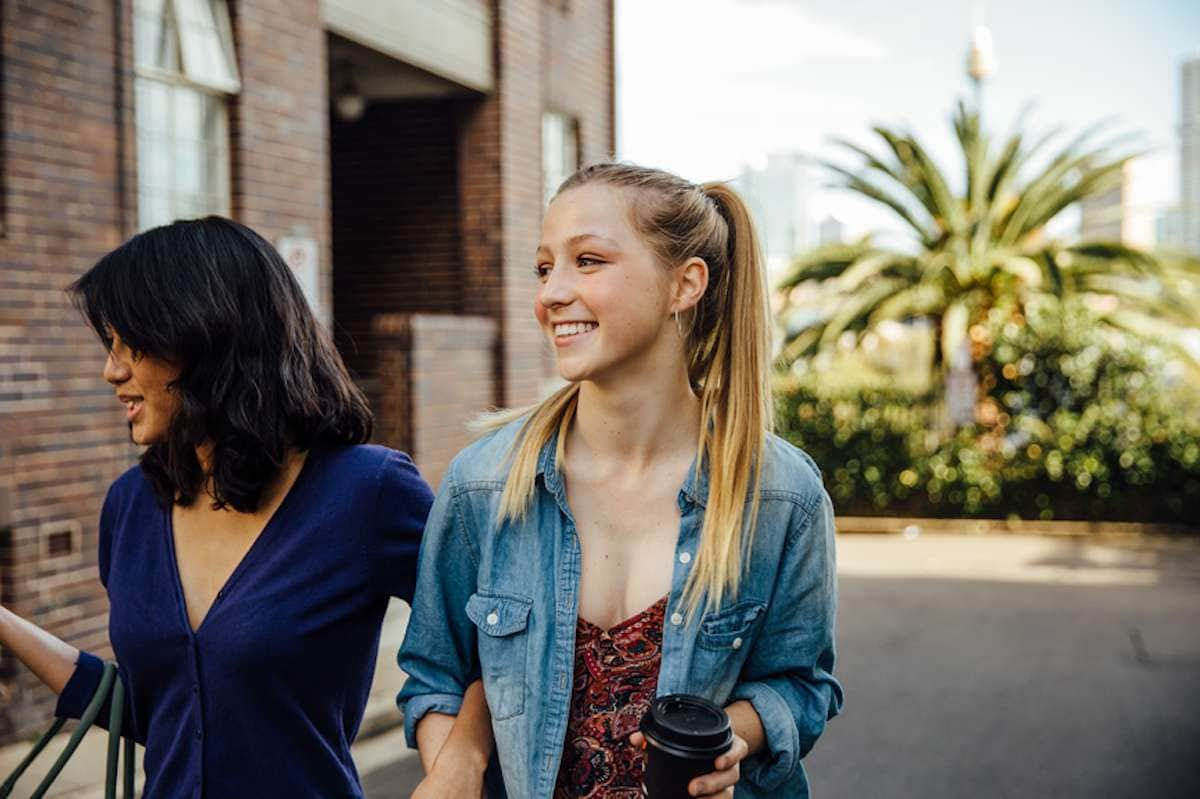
x=596 y=211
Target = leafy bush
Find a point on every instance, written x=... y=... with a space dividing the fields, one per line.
x=1069 y=426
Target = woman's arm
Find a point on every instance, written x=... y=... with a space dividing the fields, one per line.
x=455 y=749
x=51 y=659
x=445 y=715
x=788 y=677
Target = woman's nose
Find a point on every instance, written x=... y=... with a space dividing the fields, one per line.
x=558 y=289
x=115 y=370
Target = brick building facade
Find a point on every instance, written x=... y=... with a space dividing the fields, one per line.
x=422 y=210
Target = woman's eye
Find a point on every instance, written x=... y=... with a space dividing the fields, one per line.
x=587 y=260
x=541 y=270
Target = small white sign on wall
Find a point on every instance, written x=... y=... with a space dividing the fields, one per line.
x=303 y=256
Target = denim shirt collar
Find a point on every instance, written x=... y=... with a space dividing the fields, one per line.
x=693 y=492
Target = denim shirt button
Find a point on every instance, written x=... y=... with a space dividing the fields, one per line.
x=676 y=618
x=685 y=557
x=737 y=643
x=493 y=618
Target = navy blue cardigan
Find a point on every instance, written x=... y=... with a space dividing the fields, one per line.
x=265 y=698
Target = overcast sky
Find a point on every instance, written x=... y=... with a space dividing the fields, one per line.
x=706 y=87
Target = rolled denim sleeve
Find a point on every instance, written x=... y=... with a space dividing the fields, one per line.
x=789 y=681
x=439 y=652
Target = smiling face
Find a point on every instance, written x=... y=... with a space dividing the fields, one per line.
x=603 y=299
x=143 y=387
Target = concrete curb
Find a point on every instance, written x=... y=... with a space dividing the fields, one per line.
x=900 y=525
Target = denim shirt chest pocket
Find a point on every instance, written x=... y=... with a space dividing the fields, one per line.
x=503 y=624
x=723 y=640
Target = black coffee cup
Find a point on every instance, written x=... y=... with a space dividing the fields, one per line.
x=684 y=736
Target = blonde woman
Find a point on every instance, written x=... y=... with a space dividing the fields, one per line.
x=639 y=533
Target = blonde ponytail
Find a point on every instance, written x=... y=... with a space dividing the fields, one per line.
x=728 y=347
x=735 y=398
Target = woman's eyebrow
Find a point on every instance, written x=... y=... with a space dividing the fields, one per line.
x=586 y=236
x=579 y=238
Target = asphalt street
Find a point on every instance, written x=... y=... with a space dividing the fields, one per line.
x=1004 y=666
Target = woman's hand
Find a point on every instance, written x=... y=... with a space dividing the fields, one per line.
x=717 y=784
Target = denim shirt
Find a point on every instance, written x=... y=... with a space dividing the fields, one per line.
x=501 y=600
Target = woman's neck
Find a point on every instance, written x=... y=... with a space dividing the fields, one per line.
x=637 y=422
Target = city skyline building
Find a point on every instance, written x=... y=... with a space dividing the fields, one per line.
x=1189 y=154
x=1104 y=216
x=780 y=198
x=831 y=231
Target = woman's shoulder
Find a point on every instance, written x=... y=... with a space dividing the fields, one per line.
x=367 y=465
x=485 y=461
x=789 y=472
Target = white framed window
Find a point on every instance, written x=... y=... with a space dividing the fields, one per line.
x=560 y=151
x=185 y=71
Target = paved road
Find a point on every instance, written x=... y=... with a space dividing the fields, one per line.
x=1015 y=667
x=1005 y=666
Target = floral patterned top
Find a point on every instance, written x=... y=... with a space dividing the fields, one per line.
x=616 y=674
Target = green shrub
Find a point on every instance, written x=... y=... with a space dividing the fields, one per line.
x=1069 y=426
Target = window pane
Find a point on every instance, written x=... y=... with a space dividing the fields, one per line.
x=188 y=156
x=153 y=134
x=183 y=152
x=205 y=55
x=560 y=151
x=155 y=42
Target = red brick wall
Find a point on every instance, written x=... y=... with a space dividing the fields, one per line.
x=279 y=125
x=435 y=376
x=550 y=56
x=519 y=33
x=577 y=71
x=62 y=434
x=452 y=384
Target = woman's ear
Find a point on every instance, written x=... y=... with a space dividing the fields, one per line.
x=690 y=283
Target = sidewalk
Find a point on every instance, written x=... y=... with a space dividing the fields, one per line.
x=83 y=778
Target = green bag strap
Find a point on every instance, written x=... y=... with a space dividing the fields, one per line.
x=110 y=684
x=115 y=717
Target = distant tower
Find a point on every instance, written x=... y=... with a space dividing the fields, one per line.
x=779 y=196
x=1189 y=155
x=831 y=231
x=981 y=58
x=1105 y=216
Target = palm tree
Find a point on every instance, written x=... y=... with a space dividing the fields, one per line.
x=986 y=248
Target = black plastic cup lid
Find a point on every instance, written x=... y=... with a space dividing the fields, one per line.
x=687 y=726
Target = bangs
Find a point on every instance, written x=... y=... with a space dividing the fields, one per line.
x=125 y=293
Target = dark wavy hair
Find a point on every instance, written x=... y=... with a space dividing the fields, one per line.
x=258 y=374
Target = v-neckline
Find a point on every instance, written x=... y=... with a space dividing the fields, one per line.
x=241 y=566
x=616 y=628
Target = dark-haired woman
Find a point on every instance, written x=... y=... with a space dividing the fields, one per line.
x=249 y=557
